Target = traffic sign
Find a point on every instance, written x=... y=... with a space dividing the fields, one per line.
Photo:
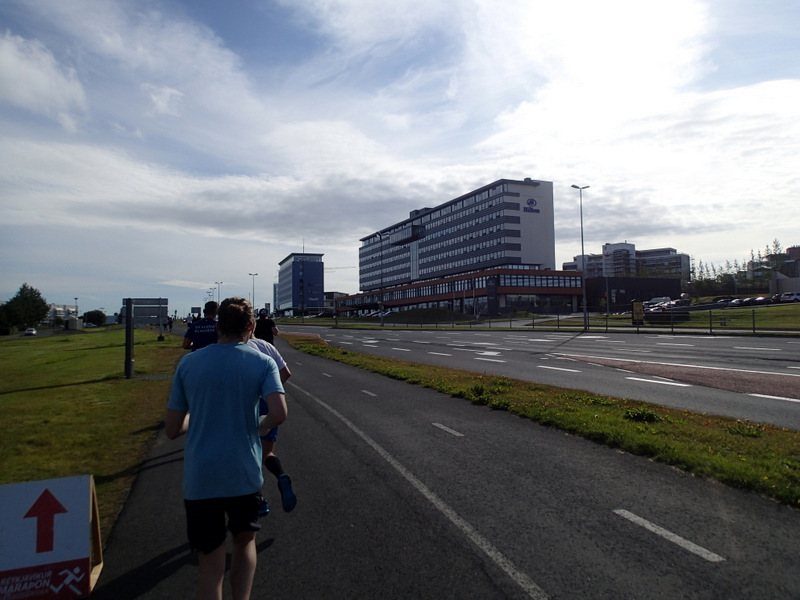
x=50 y=544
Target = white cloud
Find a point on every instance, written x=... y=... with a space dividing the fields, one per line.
x=165 y=99
x=403 y=105
x=32 y=79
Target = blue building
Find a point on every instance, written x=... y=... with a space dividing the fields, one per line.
x=301 y=285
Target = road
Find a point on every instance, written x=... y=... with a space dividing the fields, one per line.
x=741 y=377
x=407 y=493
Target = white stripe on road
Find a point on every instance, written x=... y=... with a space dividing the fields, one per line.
x=558 y=369
x=448 y=430
x=503 y=562
x=774 y=397
x=668 y=535
x=440 y=354
x=756 y=348
x=402 y=349
x=673 y=344
x=675 y=383
x=327 y=375
x=490 y=359
x=368 y=393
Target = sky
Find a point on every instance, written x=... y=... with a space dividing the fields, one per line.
x=155 y=148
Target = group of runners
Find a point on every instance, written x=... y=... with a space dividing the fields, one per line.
x=230 y=386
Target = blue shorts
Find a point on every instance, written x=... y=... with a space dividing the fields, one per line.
x=206 y=520
x=272 y=434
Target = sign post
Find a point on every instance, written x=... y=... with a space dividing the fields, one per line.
x=50 y=545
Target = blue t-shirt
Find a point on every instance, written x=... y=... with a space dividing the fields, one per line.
x=220 y=386
x=202 y=333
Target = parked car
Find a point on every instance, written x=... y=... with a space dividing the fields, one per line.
x=31 y=331
x=790 y=297
x=735 y=303
x=762 y=300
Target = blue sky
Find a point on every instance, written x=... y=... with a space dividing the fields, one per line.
x=153 y=148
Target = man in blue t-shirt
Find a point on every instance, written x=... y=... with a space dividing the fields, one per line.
x=220 y=386
x=202 y=332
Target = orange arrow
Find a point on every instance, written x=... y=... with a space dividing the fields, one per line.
x=44 y=511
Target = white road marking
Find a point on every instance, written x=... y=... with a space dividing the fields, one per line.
x=756 y=348
x=402 y=349
x=419 y=342
x=652 y=362
x=673 y=344
x=440 y=354
x=489 y=359
x=774 y=397
x=448 y=430
x=502 y=561
x=558 y=369
x=327 y=375
x=668 y=535
x=368 y=393
x=348 y=343
x=675 y=383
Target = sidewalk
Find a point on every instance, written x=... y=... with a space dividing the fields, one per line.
x=148 y=555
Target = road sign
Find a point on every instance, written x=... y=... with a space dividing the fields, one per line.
x=149 y=301
x=50 y=544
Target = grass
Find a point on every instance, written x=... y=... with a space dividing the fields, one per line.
x=761 y=458
x=67 y=409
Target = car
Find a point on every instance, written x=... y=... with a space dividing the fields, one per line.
x=736 y=302
x=762 y=300
x=31 y=331
x=790 y=297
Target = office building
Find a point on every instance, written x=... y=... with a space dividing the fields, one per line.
x=301 y=285
x=489 y=251
x=624 y=260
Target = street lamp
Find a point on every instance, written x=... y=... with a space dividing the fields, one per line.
x=219 y=286
x=583 y=261
x=253 y=275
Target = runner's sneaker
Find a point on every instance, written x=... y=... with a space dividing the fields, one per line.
x=288 y=499
x=263 y=506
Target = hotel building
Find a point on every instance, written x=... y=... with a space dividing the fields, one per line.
x=490 y=251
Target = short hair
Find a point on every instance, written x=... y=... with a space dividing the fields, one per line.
x=234 y=315
x=210 y=309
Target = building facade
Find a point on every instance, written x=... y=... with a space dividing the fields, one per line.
x=301 y=285
x=624 y=260
x=489 y=251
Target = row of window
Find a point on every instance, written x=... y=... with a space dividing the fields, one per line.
x=451 y=235
x=465 y=261
x=466 y=286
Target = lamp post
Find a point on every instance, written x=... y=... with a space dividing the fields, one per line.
x=253 y=275
x=583 y=261
x=219 y=286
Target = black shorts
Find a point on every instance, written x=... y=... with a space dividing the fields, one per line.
x=206 y=520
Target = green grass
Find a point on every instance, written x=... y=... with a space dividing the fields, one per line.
x=68 y=410
x=761 y=458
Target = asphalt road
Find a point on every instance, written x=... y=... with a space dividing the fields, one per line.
x=407 y=493
x=750 y=378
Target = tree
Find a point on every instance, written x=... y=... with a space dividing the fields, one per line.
x=27 y=308
x=95 y=317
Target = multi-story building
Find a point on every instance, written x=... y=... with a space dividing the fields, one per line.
x=489 y=251
x=624 y=260
x=301 y=285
